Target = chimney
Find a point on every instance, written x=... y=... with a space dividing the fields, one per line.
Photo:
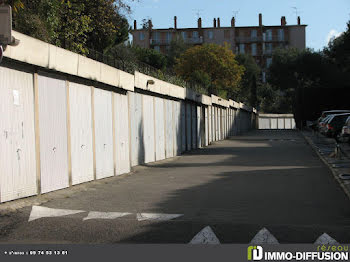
x=135 y=25
x=298 y=20
x=218 y=21
x=214 y=22
x=199 y=22
x=283 y=21
x=175 y=22
x=260 y=19
x=233 y=22
x=150 y=25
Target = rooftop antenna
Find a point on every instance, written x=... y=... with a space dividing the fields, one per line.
x=296 y=11
x=198 y=12
x=235 y=13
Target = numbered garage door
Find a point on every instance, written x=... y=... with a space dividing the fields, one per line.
x=160 y=125
x=183 y=126
x=177 y=128
x=121 y=114
x=169 y=129
x=53 y=133
x=136 y=125
x=81 y=133
x=17 y=138
x=188 y=126
x=148 y=128
x=103 y=133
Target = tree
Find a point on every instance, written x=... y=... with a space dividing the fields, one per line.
x=151 y=57
x=78 y=25
x=176 y=48
x=108 y=26
x=216 y=64
x=338 y=50
x=247 y=92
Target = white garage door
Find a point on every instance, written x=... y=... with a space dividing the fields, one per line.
x=160 y=125
x=169 y=129
x=121 y=114
x=103 y=133
x=189 y=126
x=183 y=126
x=81 y=133
x=17 y=139
x=53 y=133
x=148 y=128
x=136 y=125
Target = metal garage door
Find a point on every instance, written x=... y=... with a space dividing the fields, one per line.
x=121 y=107
x=199 y=127
x=177 y=123
x=206 y=126
x=169 y=129
x=183 y=126
x=160 y=125
x=189 y=126
x=103 y=133
x=148 y=128
x=194 y=126
x=136 y=125
x=53 y=133
x=210 y=139
x=81 y=133
x=17 y=140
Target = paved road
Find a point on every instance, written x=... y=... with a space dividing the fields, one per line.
x=268 y=179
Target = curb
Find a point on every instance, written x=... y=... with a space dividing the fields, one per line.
x=335 y=173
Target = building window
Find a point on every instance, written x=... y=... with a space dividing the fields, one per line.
x=269 y=35
x=210 y=34
x=241 y=48
x=156 y=37
x=254 y=49
x=268 y=62
x=269 y=48
x=195 y=34
x=227 y=34
x=168 y=37
x=253 y=34
x=183 y=35
x=142 y=36
x=157 y=48
x=280 y=35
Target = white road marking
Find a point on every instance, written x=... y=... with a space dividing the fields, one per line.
x=155 y=216
x=105 y=215
x=205 y=236
x=39 y=212
x=326 y=240
x=264 y=237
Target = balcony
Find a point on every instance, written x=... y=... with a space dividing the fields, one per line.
x=193 y=41
x=244 y=39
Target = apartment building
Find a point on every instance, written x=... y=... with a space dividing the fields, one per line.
x=259 y=41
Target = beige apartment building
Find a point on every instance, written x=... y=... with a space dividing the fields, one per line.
x=259 y=41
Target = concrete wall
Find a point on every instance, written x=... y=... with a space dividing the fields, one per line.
x=276 y=121
x=71 y=120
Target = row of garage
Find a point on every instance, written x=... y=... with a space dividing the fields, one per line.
x=57 y=133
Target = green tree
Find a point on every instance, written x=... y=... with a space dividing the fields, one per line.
x=216 y=64
x=247 y=92
x=151 y=57
x=338 y=51
x=176 y=48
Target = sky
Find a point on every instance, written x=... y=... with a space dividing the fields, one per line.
x=324 y=18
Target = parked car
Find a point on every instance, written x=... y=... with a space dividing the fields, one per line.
x=322 y=123
x=324 y=114
x=345 y=132
x=334 y=124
